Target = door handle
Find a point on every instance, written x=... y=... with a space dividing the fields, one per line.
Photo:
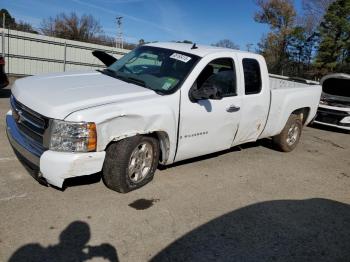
x=233 y=108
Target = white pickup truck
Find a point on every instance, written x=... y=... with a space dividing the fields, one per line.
x=159 y=104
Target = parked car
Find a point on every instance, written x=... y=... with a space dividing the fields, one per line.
x=3 y=77
x=334 y=109
x=159 y=104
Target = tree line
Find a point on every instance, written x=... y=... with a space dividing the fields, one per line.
x=83 y=28
x=308 y=45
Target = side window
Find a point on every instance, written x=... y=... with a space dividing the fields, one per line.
x=222 y=73
x=252 y=76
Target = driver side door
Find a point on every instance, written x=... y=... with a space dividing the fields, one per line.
x=209 y=125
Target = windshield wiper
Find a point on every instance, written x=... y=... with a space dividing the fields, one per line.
x=113 y=73
x=107 y=71
x=143 y=84
x=137 y=81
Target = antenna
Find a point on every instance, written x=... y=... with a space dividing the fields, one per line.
x=119 y=39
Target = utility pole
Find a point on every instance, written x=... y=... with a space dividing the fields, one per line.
x=119 y=40
x=249 y=47
x=3 y=35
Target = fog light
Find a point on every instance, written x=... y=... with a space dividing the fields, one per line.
x=345 y=120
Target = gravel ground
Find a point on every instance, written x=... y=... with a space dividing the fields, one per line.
x=247 y=204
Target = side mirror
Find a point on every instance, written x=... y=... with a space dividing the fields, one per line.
x=206 y=91
x=104 y=57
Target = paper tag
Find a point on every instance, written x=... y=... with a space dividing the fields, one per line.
x=182 y=58
x=166 y=86
x=169 y=83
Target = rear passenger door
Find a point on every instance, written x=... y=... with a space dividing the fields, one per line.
x=208 y=126
x=255 y=98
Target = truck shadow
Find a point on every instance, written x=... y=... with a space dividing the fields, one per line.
x=81 y=181
x=72 y=247
x=266 y=142
x=282 y=230
x=95 y=178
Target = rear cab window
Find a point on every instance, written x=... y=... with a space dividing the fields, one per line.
x=252 y=76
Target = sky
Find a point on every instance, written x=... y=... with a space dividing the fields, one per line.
x=201 y=21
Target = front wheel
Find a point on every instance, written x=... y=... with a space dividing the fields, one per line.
x=289 y=138
x=130 y=163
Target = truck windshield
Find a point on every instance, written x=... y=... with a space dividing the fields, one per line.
x=159 y=69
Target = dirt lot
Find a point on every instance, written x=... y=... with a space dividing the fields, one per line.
x=249 y=204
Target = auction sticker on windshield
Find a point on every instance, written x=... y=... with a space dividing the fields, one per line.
x=170 y=82
x=182 y=58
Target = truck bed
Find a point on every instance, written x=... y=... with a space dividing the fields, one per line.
x=278 y=82
x=286 y=94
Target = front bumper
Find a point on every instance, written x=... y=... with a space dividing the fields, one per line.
x=50 y=166
x=332 y=117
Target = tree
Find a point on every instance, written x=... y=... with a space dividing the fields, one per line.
x=280 y=15
x=300 y=51
x=334 y=50
x=316 y=7
x=226 y=43
x=141 y=42
x=25 y=27
x=10 y=22
x=249 y=47
x=314 y=12
x=71 y=26
x=184 y=42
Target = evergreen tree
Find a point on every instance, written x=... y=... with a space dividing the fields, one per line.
x=334 y=50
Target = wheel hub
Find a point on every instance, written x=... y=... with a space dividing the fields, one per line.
x=140 y=163
x=293 y=134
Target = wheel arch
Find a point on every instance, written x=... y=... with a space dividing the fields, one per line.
x=161 y=136
x=303 y=113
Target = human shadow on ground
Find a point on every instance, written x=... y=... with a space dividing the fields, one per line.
x=72 y=247
x=283 y=230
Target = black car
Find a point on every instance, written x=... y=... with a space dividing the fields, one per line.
x=3 y=77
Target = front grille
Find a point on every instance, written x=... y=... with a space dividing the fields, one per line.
x=30 y=123
x=331 y=116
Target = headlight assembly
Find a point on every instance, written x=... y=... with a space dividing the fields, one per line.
x=73 y=136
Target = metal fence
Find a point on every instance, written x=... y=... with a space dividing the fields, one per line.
x=31 y=54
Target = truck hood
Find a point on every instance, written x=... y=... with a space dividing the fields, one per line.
x=336 y=90
x=58 y=95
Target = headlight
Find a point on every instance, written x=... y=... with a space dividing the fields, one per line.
x=73 y=136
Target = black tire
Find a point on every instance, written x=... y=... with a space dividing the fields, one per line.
x=115 y=172
x=283 y=142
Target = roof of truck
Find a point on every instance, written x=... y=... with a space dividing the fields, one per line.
x=201 y=50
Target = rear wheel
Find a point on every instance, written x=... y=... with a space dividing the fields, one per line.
x=289 y=138
x=130 y=163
